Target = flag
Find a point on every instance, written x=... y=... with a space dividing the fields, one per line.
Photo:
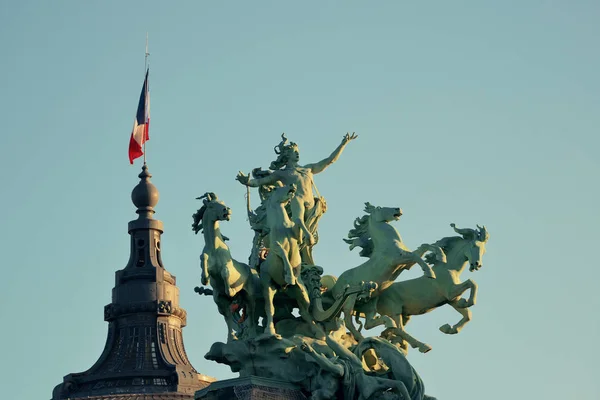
x=141 y=124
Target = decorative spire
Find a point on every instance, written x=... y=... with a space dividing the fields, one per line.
x=144 y=356
x=145 y=195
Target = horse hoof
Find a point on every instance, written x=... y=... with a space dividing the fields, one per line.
x=462 y=303
x=424 y=348
x=447 y=329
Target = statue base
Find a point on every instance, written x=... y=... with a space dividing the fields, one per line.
x=250 y=388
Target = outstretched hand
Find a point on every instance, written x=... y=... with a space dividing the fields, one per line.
x=348 y=137
x=243 y=179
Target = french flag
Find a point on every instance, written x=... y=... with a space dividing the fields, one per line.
x=141 y=124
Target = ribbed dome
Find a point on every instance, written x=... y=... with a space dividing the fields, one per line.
x=145 y=195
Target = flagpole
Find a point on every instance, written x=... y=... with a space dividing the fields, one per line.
x=146 y=105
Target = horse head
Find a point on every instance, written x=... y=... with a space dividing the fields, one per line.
x=383 y=214
x=212 y=210
x=282 y=194
x=364 y=232
x=477 y=239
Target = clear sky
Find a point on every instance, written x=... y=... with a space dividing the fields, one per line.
x=468 y=112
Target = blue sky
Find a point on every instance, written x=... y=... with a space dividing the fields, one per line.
x=468 y=112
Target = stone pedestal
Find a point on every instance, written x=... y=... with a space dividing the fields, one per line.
x=250 y=388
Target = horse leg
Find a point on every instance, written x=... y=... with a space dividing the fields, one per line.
x=250 y=305
x=204 y=266
x=225 y=274
x=288 y=271
x=460 y=289
x=427 y=271
x=466 y=317
x=414 y=343
x=394 y=338
x=300 y=294
x=347 y=309
x=372 y=319
x=269 y=294
x=252 y=295
x=224 y=306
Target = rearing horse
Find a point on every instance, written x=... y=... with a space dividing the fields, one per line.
x=419 y=296
x=228 y=277
x=388 y=256
x=280 y=271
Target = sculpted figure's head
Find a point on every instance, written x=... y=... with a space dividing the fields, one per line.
x=285 y=153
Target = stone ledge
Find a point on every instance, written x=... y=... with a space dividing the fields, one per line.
x=250 y=388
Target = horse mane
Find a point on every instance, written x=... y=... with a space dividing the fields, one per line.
x=197 y=225
x=206 y=198
x=448 y=242
x=359 y=236
x=361 y=227
x=480 y=233
x=467 y=234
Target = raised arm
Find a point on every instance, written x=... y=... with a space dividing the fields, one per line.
x=321 y=165
x=267 y=180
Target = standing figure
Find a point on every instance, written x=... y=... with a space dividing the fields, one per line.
x=286 y=170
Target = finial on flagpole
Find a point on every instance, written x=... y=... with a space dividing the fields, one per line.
x=146 y=55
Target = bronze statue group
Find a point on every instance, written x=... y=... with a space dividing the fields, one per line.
x=319 y=349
